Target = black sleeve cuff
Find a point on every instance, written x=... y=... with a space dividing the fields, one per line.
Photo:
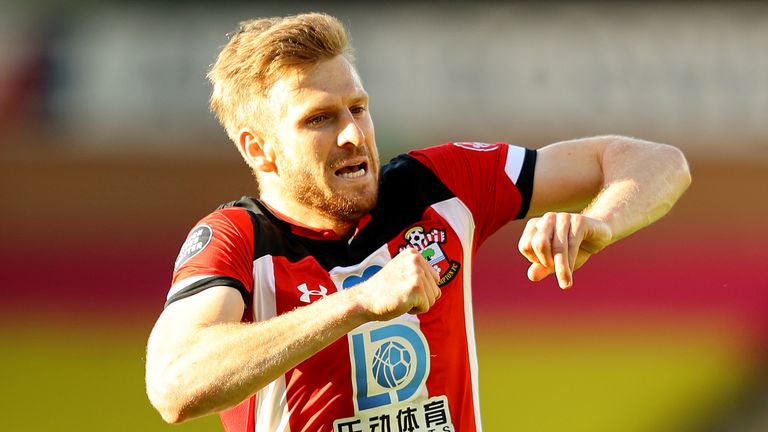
x=210 y=282
x=525 y=182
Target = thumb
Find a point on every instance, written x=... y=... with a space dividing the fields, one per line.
x=597 y=236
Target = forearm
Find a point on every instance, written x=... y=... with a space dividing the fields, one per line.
x=642 y=181
x=631 y=184
x=219 y=365
x=201 y=360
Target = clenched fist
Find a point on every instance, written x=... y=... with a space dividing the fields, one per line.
x=407 y=284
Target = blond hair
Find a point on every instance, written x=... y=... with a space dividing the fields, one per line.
x=262 y=51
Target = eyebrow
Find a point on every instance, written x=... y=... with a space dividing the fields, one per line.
x=361 y=97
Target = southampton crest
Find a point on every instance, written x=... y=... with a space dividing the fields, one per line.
x=428 y=244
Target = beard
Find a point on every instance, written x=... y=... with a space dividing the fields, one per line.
x=306 y=184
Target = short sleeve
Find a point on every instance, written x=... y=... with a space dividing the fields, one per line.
x=495 y=181
x=218 y=251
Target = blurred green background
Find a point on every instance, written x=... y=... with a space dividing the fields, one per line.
x=108 y=156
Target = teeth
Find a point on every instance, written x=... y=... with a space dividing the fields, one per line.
x=355 y=174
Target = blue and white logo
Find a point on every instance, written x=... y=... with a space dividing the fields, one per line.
x=390 y=363
x=353 y=280
x=349 y=276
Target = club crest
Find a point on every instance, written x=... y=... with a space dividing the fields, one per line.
x=428 y=243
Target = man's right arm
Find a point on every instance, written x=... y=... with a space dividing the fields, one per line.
x=201 y=359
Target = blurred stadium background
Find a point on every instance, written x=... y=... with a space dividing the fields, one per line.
x=108 y=155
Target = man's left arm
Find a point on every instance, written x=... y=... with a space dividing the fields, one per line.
x=591 y=192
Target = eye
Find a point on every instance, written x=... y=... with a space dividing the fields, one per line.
x=317 y=120
x=357 y=110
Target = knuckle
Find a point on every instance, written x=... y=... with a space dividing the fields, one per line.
x=546 y=219
x=577 y=221
x=413 y=263
x=539 y=242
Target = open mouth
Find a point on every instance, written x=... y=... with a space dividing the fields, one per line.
x=352 y=171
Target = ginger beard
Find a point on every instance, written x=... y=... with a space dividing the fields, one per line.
x=320 y=187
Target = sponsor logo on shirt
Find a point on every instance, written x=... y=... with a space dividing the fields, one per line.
x=354 y=279
x=197 y=240
x=390 y=363
x=431 y=415
x=306 y=293
x=428 y=244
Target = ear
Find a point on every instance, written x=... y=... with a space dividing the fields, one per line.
x=257 y=151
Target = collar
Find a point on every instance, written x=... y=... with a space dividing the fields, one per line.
x=303 y=230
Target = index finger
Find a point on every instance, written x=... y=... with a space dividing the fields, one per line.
x=560 y=249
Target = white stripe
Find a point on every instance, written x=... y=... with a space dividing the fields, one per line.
x=379 y=257
x=514 y=164
x=460 y=219
x=264 y=306
x=180 y=285
x=271 y=404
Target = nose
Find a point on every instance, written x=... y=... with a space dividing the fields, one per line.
x=351 y=134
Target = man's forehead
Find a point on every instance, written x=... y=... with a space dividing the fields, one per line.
x=326 y=80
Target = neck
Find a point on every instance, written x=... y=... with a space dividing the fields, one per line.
x=301 y=215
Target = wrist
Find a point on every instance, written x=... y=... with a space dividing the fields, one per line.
x=357 y=307
x=598 y=231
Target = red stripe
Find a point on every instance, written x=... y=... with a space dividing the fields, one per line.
x=319 y=390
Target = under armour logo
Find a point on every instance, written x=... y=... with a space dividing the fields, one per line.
x=307 y=293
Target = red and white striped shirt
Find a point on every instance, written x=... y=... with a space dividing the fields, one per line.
x=415 y=373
